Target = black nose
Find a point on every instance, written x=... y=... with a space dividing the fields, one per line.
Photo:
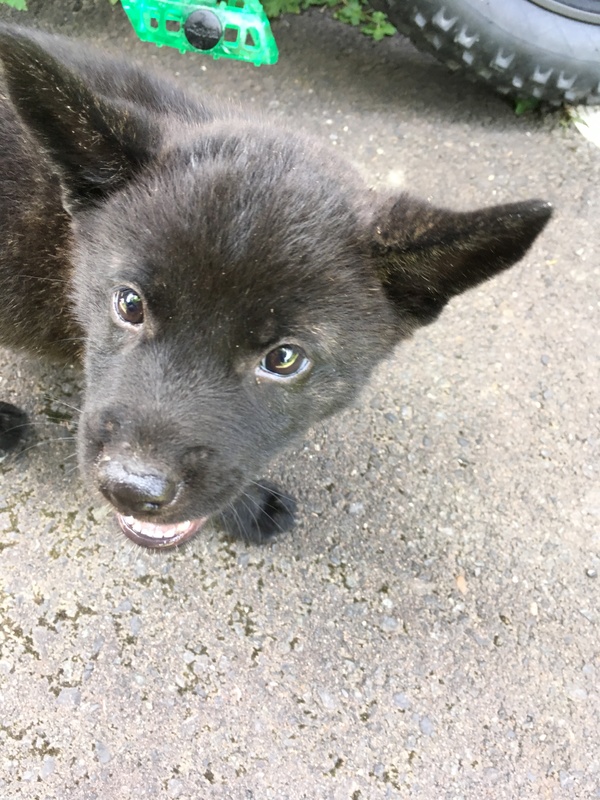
x=135 y=488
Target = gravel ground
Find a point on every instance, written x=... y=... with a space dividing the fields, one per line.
x=430 y=630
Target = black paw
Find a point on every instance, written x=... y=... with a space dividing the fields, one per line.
x=260 y=513
x=13 y=424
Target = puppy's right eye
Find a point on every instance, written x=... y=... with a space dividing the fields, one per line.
x=285 y=361
x=129 y=306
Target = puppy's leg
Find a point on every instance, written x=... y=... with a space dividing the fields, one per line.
x=13 y=423
x=260 y=513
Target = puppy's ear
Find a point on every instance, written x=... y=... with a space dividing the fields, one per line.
x=97 y=142
x=426 y=255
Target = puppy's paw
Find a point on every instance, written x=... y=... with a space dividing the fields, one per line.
x=13 y=424
x=260 y=513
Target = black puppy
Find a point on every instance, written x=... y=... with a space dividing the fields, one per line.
x=225 y=284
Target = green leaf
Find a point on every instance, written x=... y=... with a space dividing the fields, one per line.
x=526 y=104
x=275 y=8
x=352 y=12
x=378 y=26
x=20 y=5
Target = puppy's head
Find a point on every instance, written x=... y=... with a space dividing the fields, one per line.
x=233 y=284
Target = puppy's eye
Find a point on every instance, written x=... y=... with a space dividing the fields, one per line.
x=129 y=306
x=285 y=360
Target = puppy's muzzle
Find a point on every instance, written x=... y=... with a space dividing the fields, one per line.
x=138 y=490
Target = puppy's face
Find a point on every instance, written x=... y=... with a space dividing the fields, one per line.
x=233 y=284
x=223 y=315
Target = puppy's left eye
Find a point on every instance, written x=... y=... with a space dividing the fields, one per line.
x=129 y=306
x=285 y=361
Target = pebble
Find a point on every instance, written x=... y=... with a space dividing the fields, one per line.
x=356 y=508
x=567 y=781
x=140 y=568
x=97 y=646
x=426 y=725
x=328 y=701
x=174 y=787
x=135 y=625
x=69 y=697
x=577 y=693
x=389 y=624
x=102 y=752
x=400 y=700
x=47 y=767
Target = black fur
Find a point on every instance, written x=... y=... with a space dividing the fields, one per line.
x=13 y=423
x=238 y=237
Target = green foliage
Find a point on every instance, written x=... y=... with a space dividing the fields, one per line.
x=354 y=12
x=378 y=26
x=525 y=105
x=351 y=12
x=20 y=5
x=274 y=8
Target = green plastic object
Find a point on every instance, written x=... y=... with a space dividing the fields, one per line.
x=220 y=28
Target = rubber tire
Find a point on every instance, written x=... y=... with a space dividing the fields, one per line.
x=519 y=48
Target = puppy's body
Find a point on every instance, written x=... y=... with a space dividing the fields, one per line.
x=225 y=284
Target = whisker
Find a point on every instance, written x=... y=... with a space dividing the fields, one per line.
x=238 y=522
x=132 y=546
x=255 y=516
x=48 y=441
x=40 y=423
x=237 y=519
x=63 y=403
x=273 y=520
x=46 y=279
x=271 y=489
x=264 y=511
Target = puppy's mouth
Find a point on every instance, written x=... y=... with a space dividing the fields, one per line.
x=148 y=534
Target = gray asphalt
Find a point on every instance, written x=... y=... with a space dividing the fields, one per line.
x=430 y=630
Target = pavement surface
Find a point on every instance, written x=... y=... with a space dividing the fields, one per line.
x=431 y=628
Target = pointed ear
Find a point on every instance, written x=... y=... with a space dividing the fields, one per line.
x=97 y=143
x=426 y=255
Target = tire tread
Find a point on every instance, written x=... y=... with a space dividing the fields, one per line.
x=456 y=33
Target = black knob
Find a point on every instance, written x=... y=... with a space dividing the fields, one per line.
x=135 y=490
x=203 y=29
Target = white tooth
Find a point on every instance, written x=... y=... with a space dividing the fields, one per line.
x=158 y=532
x=153 y=531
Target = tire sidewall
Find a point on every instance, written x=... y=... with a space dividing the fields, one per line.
x=537 y=27
x=516 y=46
